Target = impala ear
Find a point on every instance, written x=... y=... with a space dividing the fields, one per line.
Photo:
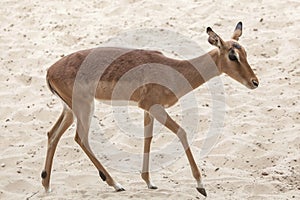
x=238 y=31
x=214 y=39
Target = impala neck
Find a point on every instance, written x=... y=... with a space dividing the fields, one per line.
x=207 y=65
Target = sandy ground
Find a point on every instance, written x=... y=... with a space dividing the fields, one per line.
x=256 y=156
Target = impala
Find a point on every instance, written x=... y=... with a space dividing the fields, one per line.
x=148 y=79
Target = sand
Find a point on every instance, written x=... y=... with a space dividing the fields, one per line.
x=257 y=153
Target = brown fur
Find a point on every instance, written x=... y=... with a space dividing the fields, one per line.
x=151 y=96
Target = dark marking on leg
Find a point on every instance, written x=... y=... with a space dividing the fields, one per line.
x=103 y=177
x=44 y=174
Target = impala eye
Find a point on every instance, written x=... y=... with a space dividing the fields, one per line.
x=232 y=56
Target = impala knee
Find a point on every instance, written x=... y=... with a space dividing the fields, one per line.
x=148 y=139
x=78 y=139
x=181 y=134
x=148 y=120
x=51 y=136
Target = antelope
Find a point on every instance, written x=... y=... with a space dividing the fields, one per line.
x=147 y=79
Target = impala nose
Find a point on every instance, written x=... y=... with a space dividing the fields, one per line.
x=255 y=83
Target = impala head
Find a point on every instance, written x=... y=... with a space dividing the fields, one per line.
x=232 y=58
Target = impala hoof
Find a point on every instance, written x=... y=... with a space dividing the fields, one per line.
x=202 y=191
x=48 y=190
x=153 y=187
x=118 y=187
x=120 y=190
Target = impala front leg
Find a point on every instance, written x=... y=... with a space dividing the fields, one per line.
x=148 y=134
x=160 y=114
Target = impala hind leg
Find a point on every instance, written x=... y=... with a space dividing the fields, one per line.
x=84 y=115
x=148 y=134
x=160 y=114
x=63 y=122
